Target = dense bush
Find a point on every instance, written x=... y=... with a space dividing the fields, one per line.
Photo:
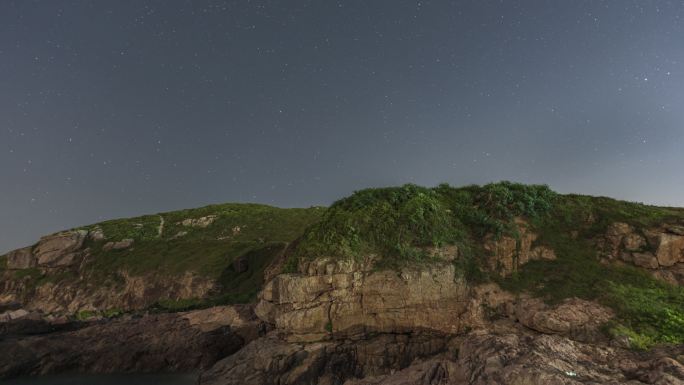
x=394 y=222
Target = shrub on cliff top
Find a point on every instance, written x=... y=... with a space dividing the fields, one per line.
x=393 y=222
x=399 y=222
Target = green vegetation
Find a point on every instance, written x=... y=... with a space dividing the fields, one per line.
x=85 y=315
x=236 y=230
x=648 y=311
x=255 y=232
x=400 y=224
x=3 y=262
x=391 y=222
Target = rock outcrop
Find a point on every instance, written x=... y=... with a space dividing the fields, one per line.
x=507 y=254
x=201 y=222
x=62 y=249
x=163 y=342
x=52 y=251
x=272 y=360
x=659 y=250
x=21 y=259
x=349 y=298
x=574 y=318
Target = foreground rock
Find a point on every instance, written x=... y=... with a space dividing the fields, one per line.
x=164 y=342
x=551 y=359
x=272 y=360
x=503 y=355
x=574 y=318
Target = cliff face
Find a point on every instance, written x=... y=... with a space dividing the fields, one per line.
x=501 y=284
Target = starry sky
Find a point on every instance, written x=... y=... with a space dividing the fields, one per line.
x=118 y=108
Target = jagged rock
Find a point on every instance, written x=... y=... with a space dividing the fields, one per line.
x=670 y=249
x=614 y=237
x=21 y=259
x=163 y=342
x=574 y=318
x=647 y=260
x=14 y=315
x=436 y=371
x=120 y=245
x=347 y=299
x=625 y=242
x=134 y=292
x=675 y=229
x=202 y=222
x=489 y=359
x=272 y=360
x=673 y=275
x=508 y=254
x=61 y=249
x=633 y=242
x=96 y=234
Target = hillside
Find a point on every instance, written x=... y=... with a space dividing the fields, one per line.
x=527 y=239
x=169 y=260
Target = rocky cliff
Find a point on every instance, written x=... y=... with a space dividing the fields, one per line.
x=499 y=284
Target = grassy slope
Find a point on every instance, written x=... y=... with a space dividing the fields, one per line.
x=397 y=223
x=209 y=252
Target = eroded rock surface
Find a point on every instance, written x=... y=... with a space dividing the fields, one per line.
x=574 y=318
x=61 y=249
x=272 y=360
x=508 y=254
x=349 y=298
x=660 y=250
x=164 y=342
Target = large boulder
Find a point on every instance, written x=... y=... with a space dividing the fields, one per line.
x=574 y=318
x=61 y=249
x=21 y=259
x=670 y=248
x=346 y=299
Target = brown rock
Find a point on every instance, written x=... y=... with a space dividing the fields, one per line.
x=633 y=242
x=614 y=237
x=670 y=249
x=351 y=302
x=575 y=318
x=61 y=249
x=120 y=245
x=647 y=260
x=202 y=222
x=675 y=229
x=21 y=259
x=271 y=360
x=507 y=255
x=96 y=234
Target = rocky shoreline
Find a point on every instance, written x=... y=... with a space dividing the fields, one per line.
x=353 y=321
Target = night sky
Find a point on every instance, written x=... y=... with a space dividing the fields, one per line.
x=119 y=108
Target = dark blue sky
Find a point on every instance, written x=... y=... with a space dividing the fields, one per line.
x=120 y=108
